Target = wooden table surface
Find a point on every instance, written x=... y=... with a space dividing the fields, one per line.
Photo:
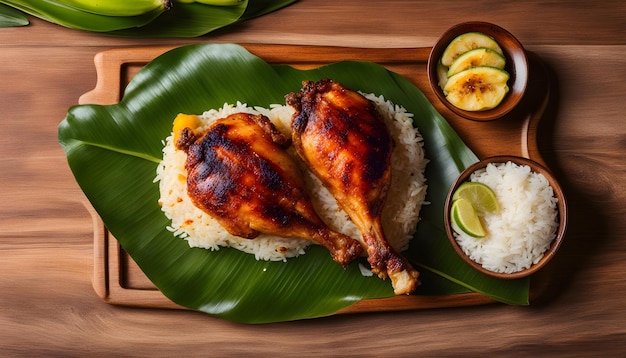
x=49 y=308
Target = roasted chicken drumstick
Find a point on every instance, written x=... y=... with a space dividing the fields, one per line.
x=344 y=141
x=239 y=173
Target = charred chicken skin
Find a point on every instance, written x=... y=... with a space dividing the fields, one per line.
x=240 y=174
x=344 y=141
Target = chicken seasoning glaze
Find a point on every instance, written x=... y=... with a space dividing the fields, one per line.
x=343 y=140
x=239 y=172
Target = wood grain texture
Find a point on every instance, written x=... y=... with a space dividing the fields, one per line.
x=49 y=308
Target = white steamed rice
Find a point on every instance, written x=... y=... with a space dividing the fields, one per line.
x=520 y=233
x=400 y=215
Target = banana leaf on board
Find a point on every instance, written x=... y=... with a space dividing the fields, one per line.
x=113 y=152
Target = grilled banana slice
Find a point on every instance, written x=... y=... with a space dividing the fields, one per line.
x=476 y=58
x=465 y=42
x=477 y=88
x=442 y=75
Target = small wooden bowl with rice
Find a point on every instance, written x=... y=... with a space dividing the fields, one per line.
x=528 y=227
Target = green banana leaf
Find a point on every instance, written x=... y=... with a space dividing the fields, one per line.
x=188 y=20
x=113 y=152
x=10 y=17
x=258 y=8
x=60 y=14
x=183 y=20
x=195 y=19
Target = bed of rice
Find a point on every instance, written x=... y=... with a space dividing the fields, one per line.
x=400 y=215
x=522 y=230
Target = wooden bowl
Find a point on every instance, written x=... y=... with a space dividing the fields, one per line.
x=516 y=66
x=561 y=207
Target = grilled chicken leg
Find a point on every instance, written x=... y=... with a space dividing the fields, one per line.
x=239 y=173
x=344 y=141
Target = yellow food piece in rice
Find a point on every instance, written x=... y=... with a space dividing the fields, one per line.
x=183 y=121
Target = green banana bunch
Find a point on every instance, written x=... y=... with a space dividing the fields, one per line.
x=118 y=7
x=147 y=18
x=213 y=2
x=58 y=12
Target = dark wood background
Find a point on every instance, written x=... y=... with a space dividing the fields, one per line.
x=48 y=306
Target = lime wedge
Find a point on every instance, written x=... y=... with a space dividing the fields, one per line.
x=479 y=195
x=466 y=219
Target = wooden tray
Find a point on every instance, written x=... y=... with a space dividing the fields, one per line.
x=118 y=280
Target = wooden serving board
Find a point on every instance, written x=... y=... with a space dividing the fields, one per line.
x=118 y=280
